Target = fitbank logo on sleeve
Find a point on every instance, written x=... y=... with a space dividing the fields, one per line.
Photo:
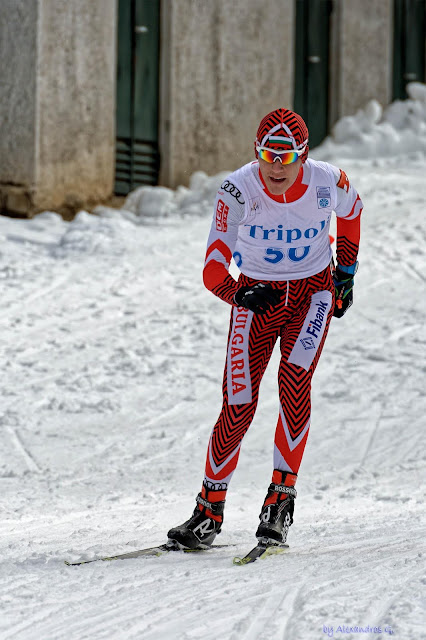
x=309 y=338
x=316 y=324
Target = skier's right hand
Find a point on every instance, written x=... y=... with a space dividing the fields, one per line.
x=259 y=298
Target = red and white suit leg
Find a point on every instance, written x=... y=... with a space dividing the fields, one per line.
x=302 y=341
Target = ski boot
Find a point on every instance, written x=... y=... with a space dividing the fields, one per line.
x=277 y=512
x=205 y=523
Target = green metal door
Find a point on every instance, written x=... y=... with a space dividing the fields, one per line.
x=312 y=66
x=409 y=45
x=137 y=156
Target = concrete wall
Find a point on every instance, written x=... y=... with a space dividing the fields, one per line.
x=57 y=108
x=224 y=65
x=229 y=64
x=18 y=43
x=76 y=99
x=365 y=53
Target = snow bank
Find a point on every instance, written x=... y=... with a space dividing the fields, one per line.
x=398 y=130
x=87 y=234
x=154 y=202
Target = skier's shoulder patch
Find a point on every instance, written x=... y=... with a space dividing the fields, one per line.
x=343 y=182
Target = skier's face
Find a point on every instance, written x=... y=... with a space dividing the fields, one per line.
x=279 y=177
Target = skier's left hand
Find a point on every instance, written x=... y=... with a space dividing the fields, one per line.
x=343 y=278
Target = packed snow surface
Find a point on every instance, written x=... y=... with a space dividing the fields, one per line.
x=112 y=357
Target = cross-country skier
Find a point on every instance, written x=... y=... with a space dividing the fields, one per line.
x=273 y=215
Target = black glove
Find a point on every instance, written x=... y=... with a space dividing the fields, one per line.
x=259 y=298
x=343 y=278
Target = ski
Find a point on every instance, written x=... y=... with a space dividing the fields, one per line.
x=145 y=553
x=261 y=550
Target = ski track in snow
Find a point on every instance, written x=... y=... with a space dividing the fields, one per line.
x=113 y=355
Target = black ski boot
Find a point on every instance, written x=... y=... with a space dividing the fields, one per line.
x=277 y=512
x=205 y=523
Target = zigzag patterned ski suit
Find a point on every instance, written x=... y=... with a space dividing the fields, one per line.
x=282 y=240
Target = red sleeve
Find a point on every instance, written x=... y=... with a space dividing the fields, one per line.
x=215 y=274
x=225 y=287
x=348 y=235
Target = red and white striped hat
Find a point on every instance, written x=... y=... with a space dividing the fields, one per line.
x=283 y=129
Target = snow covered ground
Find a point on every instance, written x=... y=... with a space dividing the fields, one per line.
x=112 y=358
